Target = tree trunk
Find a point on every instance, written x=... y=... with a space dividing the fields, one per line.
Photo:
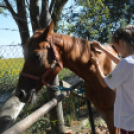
x=37 y=21
x=45 y=17
x=20 y=18
x=24 y=33
x=22 y=21
x=57 y=11
x=34 y=14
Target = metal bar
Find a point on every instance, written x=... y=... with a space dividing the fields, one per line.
x=29 y=120
x=67 y=85
x=76 y=84
x=91 y=118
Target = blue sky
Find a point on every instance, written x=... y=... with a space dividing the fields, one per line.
x=12 y=37
x=8 y=37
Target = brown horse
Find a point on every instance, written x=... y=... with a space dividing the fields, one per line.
x=47 y=52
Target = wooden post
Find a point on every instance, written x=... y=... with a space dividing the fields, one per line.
x=56 y=114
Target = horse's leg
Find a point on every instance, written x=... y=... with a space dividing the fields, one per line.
x=107 y=115
x=110 y=123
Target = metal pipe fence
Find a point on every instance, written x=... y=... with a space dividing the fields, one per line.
x=32 y=118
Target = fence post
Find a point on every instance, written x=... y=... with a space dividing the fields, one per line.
x=56 y=114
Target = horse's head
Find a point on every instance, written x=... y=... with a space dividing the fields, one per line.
x=41 y=65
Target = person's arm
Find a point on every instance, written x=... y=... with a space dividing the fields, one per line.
x=99 y=73
x=116 y=77
x=101 y=76
x=109 y=54
x=130 y=27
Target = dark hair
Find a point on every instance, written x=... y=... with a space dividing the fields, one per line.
x=124 y=34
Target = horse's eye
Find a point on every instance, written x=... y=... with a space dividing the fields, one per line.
x=35 y=58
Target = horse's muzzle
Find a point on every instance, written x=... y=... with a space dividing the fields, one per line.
x=25 y=97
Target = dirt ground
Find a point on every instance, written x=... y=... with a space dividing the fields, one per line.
x=79 y=127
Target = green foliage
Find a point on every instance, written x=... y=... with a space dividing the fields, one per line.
x=64 y=73
x=88 y=125
x=88 y=21
x=9 y=73
x=109 y=35
x=11 y=67
x=123 y=22
x=98 y=19
x=1 y=57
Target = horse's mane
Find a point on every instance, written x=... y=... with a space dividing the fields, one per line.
x=108 y=46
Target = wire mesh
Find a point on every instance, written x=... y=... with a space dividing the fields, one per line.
x=11 y=62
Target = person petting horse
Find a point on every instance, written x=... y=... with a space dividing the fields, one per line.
x=121 y=78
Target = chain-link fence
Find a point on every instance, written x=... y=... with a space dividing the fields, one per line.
x=11 y=62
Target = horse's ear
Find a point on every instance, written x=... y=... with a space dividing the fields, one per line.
x=47 y=32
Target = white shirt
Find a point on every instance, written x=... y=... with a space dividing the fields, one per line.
x=122 y=78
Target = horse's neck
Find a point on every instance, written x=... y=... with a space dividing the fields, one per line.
x=74 y=54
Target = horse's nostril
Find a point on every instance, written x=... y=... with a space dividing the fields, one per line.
x=22 y=94
x=25 y=97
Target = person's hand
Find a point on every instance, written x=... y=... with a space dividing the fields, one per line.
x=94 y=60
x=130 y=27
x=97 y=45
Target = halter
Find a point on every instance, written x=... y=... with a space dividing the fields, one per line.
x=52 y=66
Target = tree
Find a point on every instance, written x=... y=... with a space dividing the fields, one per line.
x=40 y=17
x=39 y=14
x=1 y=57
x=90 y=20
x=99 y=18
